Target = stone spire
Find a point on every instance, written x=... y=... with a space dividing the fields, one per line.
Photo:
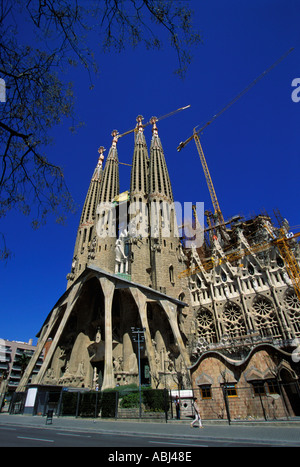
x=87 y=222
x=140 y=163
x=159 y=180
x=164 y=241
x=105 y=231
x=138 y=235
x=89 y=208
x=110 y=186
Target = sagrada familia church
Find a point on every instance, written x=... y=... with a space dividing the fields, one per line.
x=222 y=311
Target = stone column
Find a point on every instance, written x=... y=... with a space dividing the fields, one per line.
x=108 y=288
x=171 y=313
x=41 y=344
x=70 y=306
x=127 y=351
x=141 y=301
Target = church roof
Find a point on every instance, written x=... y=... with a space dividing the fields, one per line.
x=121 y=283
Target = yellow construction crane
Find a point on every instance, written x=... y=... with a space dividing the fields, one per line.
x=282 y=242
x=196 y=133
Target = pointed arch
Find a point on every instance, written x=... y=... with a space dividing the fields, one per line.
x=206 y=325
x=233 y=320
x=293 y=310
x=265 y=317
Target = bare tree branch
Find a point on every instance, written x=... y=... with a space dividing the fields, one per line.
x=39 y=99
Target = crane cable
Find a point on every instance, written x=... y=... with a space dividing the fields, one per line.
x=181 y=145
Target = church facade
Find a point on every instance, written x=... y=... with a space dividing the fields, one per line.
x=124 y=276
x=203 y=311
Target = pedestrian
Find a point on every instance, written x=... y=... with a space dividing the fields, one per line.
x=197 y=414
x=177 y=405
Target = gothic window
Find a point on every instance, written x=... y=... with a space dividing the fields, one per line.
x=293 y=306
x=265 y=318
x=233 y=320
x=171 y=274
x=224 y=276
x=172 y=221
x=280 y=262
x=206 y=326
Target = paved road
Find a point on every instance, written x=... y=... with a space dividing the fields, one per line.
x=20 y=430
x=23 y=436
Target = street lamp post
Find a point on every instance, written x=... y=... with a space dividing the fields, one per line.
x=138 y=336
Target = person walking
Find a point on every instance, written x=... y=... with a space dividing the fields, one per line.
x=177 y=405
x=197 y=414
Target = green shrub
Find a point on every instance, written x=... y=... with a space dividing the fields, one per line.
x=69 y=403
x=88 y=404
x=109 y=399
x=130 y=400
x=156 y=400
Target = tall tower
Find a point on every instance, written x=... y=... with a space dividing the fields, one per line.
x=110 y=187
x=164 y=242
x=138 y=212
x=159 y=184
x=142 y=242
x=87 y=222
x=105 y=230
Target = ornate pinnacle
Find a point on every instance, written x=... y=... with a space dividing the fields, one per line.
x=139 y=119
x=153 y=121
x=101 y=156
x=139 y=126
x=115 y=135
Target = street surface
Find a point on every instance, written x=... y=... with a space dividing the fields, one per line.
x=52 y=437
x=120 y=437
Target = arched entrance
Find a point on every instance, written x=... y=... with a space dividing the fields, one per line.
x=291 y=390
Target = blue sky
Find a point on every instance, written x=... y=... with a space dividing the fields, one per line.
x=252 y=150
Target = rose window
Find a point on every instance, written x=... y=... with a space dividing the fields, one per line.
x=206 y=327
x=232 y=312
x=205 y=318
x=292 y=301
x=262 y=307
x=265 y=317
x=233 y=320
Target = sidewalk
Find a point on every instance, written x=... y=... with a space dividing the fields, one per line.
x=263 y=432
